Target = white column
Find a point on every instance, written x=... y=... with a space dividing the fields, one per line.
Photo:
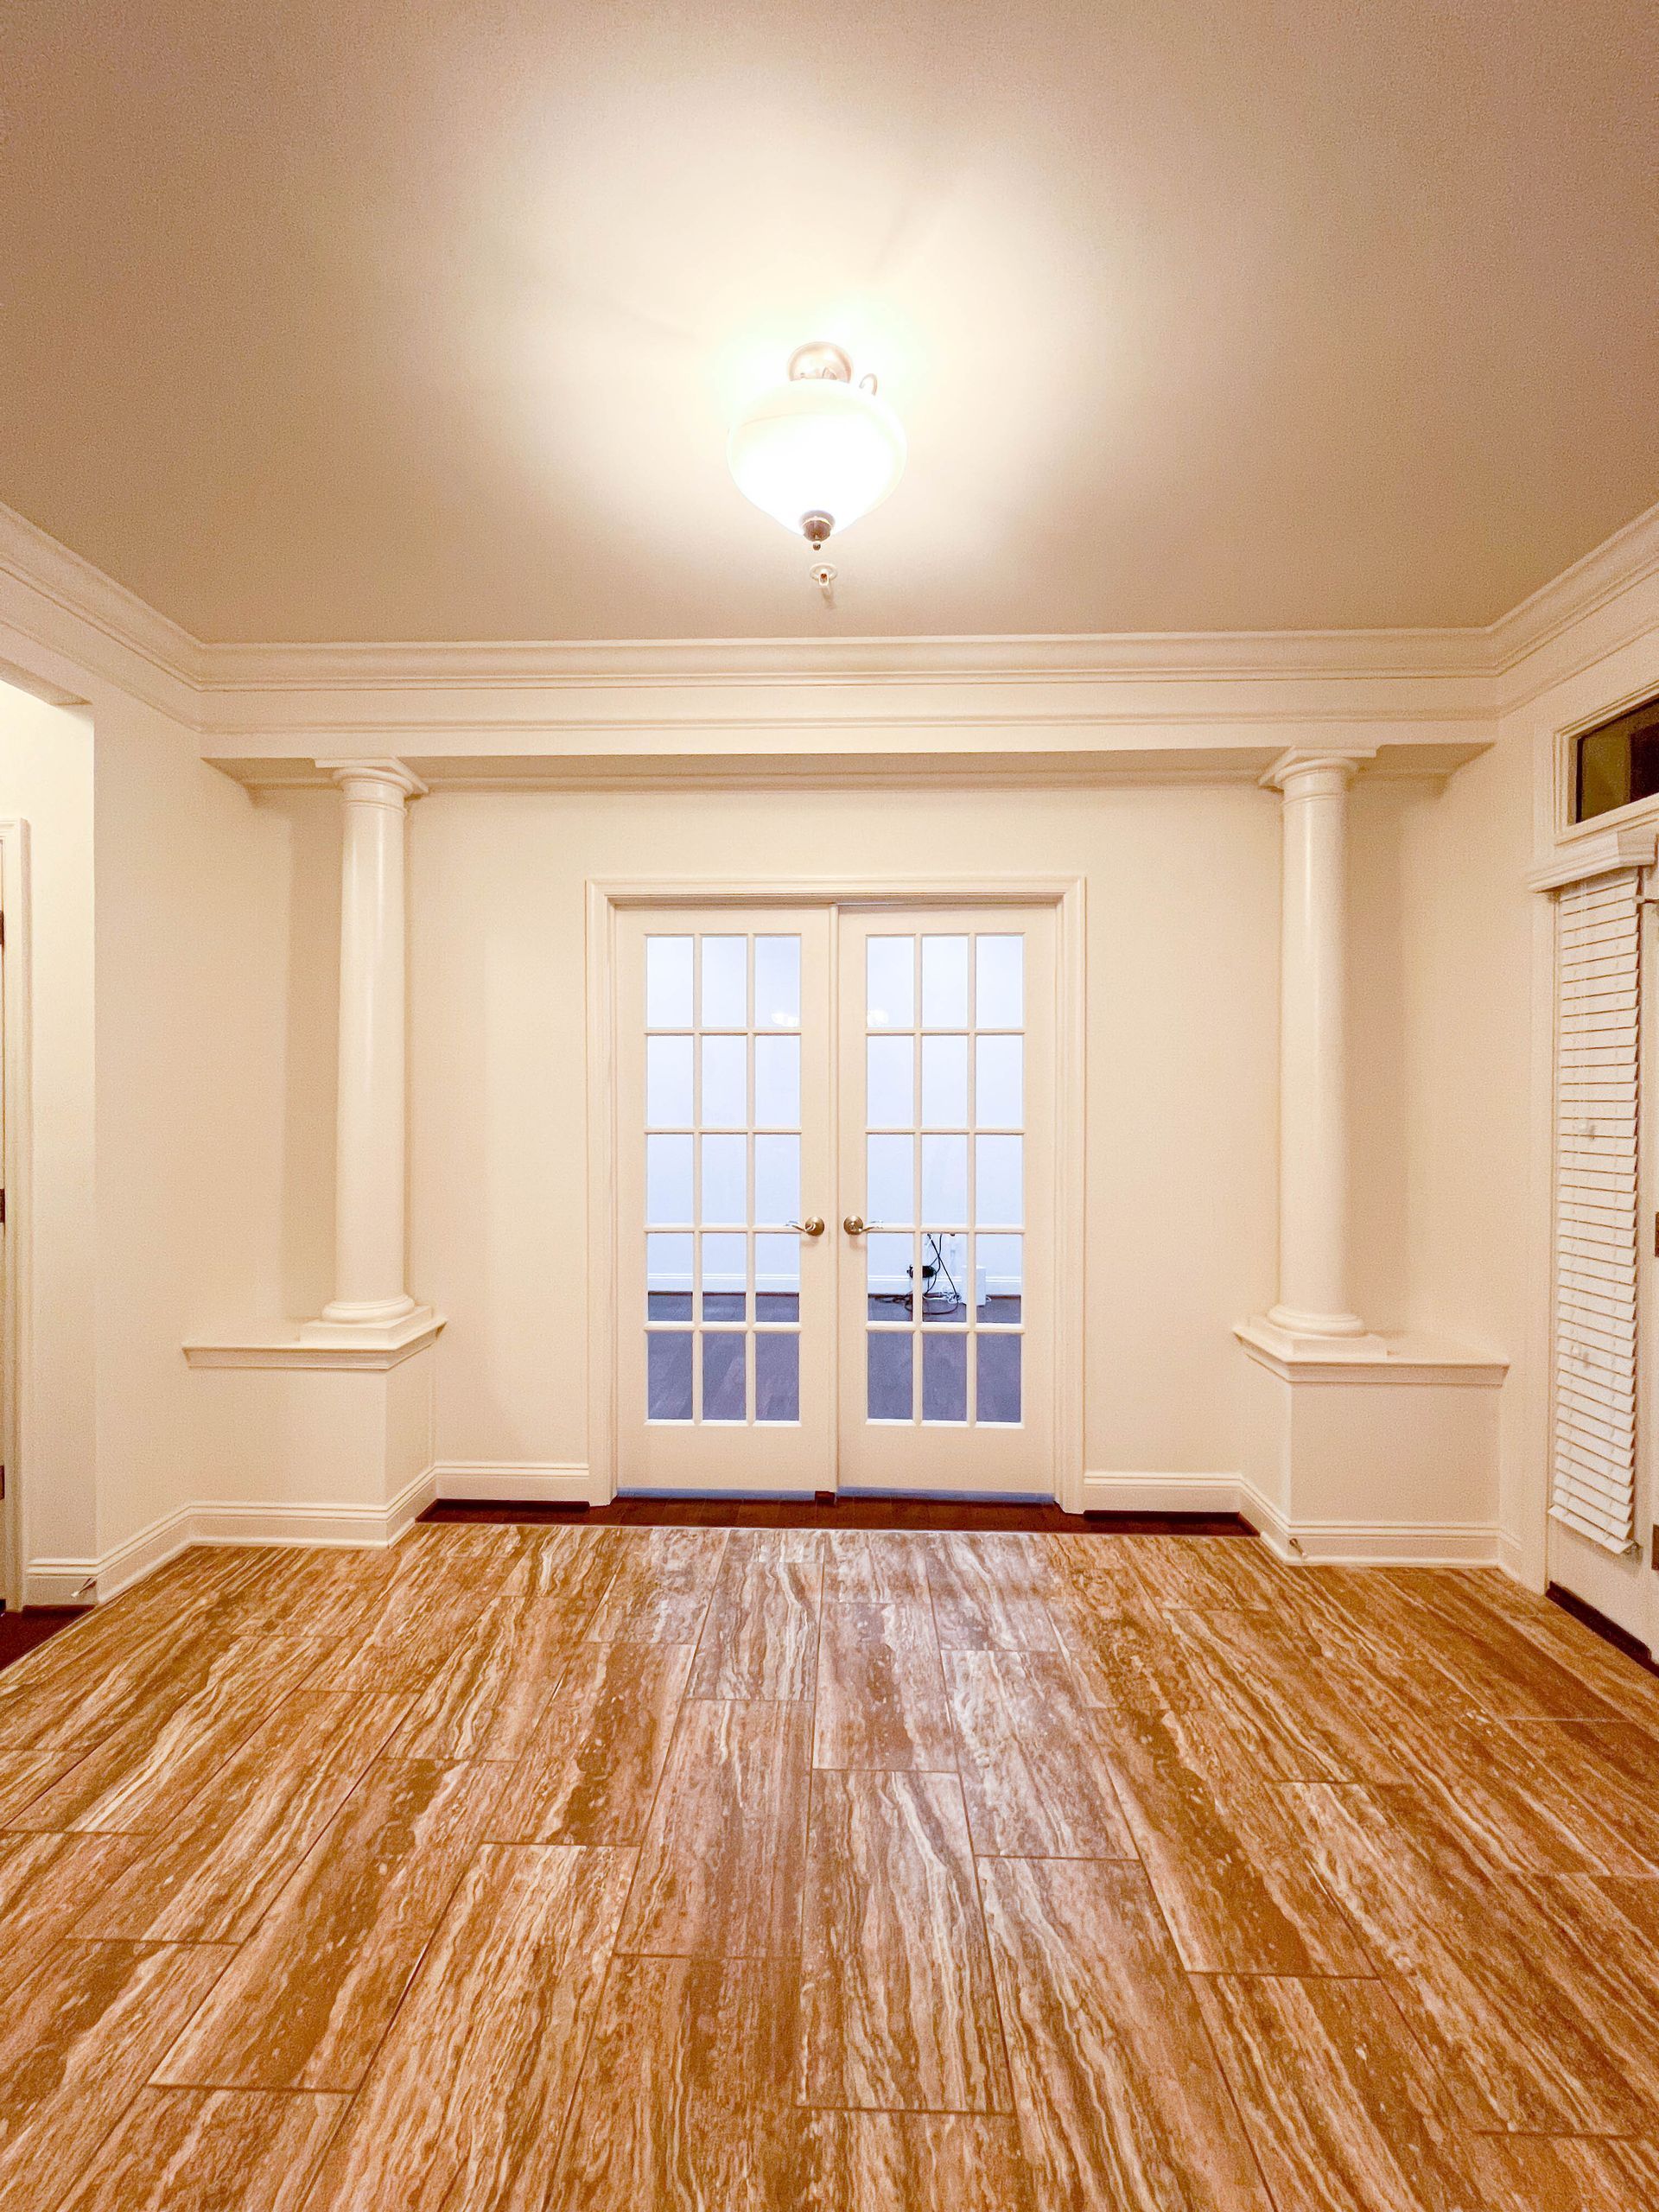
x=1312 y=1310
x=370 y=1304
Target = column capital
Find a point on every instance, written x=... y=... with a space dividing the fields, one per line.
x=375 y=783
x=1304 y=770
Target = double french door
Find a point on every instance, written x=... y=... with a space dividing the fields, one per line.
x=835 y=1194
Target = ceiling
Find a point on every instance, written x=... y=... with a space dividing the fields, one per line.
x=403 y=320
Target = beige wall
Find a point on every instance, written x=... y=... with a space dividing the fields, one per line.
x=46 y=780
x=1183 y=961
x=192 y=905
x=159 y=900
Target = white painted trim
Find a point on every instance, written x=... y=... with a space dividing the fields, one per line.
x=1420 y=1543
x=518 y=1482
x=1401 y=1359
x=836 y=890
x=1608 y=852
x=15 y=1391
x=606 y=896
x=1620 y=564
x=54 y=599
x=283 y=1343
x=75 y=1581
x=1104 y=1493
x=60 y=608
x=1387 y=1543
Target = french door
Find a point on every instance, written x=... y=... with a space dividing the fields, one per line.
x=835 y=1210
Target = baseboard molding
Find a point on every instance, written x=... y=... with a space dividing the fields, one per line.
x=1161 y=1493
x=516 y=1481
x=1375 y=1543
x=1387 y=1543
x=91 y=1581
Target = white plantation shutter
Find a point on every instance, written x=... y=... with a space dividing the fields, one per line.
x=1598 y=926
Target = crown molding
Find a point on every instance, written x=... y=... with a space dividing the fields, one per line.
x=644 y=664
x=1618 y=567
x=74 y=613
x=62 y=618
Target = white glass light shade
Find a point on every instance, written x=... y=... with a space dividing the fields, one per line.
x=817 y=446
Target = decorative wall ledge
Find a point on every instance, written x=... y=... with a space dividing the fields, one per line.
x=1408 y=1359
x=280 y=1344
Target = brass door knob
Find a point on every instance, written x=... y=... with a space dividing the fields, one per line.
x=854 y=1224
x=812 y=1226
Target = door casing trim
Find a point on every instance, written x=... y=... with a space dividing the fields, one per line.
x=606 y=896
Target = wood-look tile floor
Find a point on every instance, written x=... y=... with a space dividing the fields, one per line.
x=693 y=1870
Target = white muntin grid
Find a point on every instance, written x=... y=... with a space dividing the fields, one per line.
x=722 y=1121
x=944 y=1152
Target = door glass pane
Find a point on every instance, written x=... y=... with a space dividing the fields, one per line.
x=945 y=1082
x=944 y=1275
x=668 y=983
x=958 y=1281
x=890 y=1089
x=725 y=1266
x=777 y=1375
x=777 y=1082
x=776 y=982
x=724 y=1394
x=668 y=1374
x=668 y=1278
x=998 y=1378
x=888 y=1283
x=944 y=1179
x=778 y=1278
x=1001 y=982
x=999 y=1082
x=999 y=1261
x=890 y=1189
x=945 y=1378
x=668 y=1179
x=1000 y=1174
x=668 y=1082
x=889 y=1373
x=723 y=1110
x=777 y=1179
x=945 y=983
x=725 y=1081
x=725 y=982
x=890 y=983
x=725 y=1179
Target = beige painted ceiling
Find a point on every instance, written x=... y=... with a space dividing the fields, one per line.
x=399 y=320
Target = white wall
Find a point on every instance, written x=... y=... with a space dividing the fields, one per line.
x=46 y=780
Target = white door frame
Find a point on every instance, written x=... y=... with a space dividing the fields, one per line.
x=607 y=895
x=14 y=1281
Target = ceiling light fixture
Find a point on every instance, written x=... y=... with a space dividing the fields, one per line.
x=817 y=451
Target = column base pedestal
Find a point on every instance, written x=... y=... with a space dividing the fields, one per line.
x=1290 y=1335
x=1381 y=1448
x=372 y=1335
